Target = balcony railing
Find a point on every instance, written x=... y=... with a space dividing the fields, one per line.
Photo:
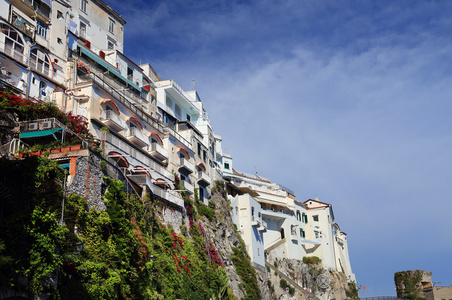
x=39 y=7
x=136 y=157
x=110 y=118
x=135 y=134
x=23 y=25
x=170 y=196
x=170 y=83
x=188 y=187
x=157 y=149
x=204 y=178
x=185 y=164
x=39 y=65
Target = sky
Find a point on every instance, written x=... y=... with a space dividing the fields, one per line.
x=347 y=101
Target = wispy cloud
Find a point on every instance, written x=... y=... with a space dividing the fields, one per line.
x=347 y=101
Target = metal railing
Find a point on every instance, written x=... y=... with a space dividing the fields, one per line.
x=140 y=159
x=32 y=61
x=39 y=7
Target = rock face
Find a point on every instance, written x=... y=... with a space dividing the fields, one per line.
x=307 y=281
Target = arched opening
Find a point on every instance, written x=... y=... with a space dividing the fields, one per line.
x=110 y=105
x=135 y=123
x=184 y=153
x=14 y=45
x=155 y=138
x=120 y=160
x=82 y=69
x=40 y=61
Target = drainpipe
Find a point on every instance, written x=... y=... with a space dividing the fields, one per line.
x=27 y=91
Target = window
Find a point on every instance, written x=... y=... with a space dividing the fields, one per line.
x=226 y=166
x=59 y=41
x=315 y=218
x=82 y=30
x=40 y=61
x=177 y=111
x=59 y=14
x=130 y=74
x=302 y=233
x=111 y=26
x=204 y=153
x=201 y=194
x=317 y=234
x=188 y=118
x=305 y=218
x=110 y=46
x=199 y=149
x=298 y=215
x=83 y=4
x=42 y=29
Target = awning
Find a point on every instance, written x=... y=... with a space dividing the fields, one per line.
x=107 y=66
x=101 y=62
x=310 y=242
x=31 y=134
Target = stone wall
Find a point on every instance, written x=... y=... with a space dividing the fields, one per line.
x=88 y=181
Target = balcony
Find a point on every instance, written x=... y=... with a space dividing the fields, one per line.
x=203 y=178
x=170 y=196
x=113 y=121
x=255 y=221
x=186 y=165
x=156 y=150
x=135 y=135
x=294 y=237
x=263 y=226
x=42 y=8
x=39 y=65
x=188 y=187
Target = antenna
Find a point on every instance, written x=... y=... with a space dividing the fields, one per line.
x=193 y=81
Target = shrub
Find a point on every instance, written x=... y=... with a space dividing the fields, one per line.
x=283 y=283
x=311 y=260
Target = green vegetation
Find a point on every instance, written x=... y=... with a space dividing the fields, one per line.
x=311 y=260
x=30 y=110
x=352 y=291
x=408 y=284
x=123 y=252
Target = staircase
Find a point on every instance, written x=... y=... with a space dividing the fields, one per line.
x=287 y=278
x=275 y=245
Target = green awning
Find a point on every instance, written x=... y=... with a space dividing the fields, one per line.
x=101 y=62
x=107 y=66
x=65 y=166
x=31 y=134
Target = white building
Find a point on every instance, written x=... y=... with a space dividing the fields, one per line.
x=247 y=215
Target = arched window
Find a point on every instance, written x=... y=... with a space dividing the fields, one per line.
x=40 y=61
x=14 y=45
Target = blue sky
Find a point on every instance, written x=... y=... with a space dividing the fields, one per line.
x=348 y=101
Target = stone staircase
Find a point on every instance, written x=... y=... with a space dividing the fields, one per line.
x=287 y=278
x=275 y=245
